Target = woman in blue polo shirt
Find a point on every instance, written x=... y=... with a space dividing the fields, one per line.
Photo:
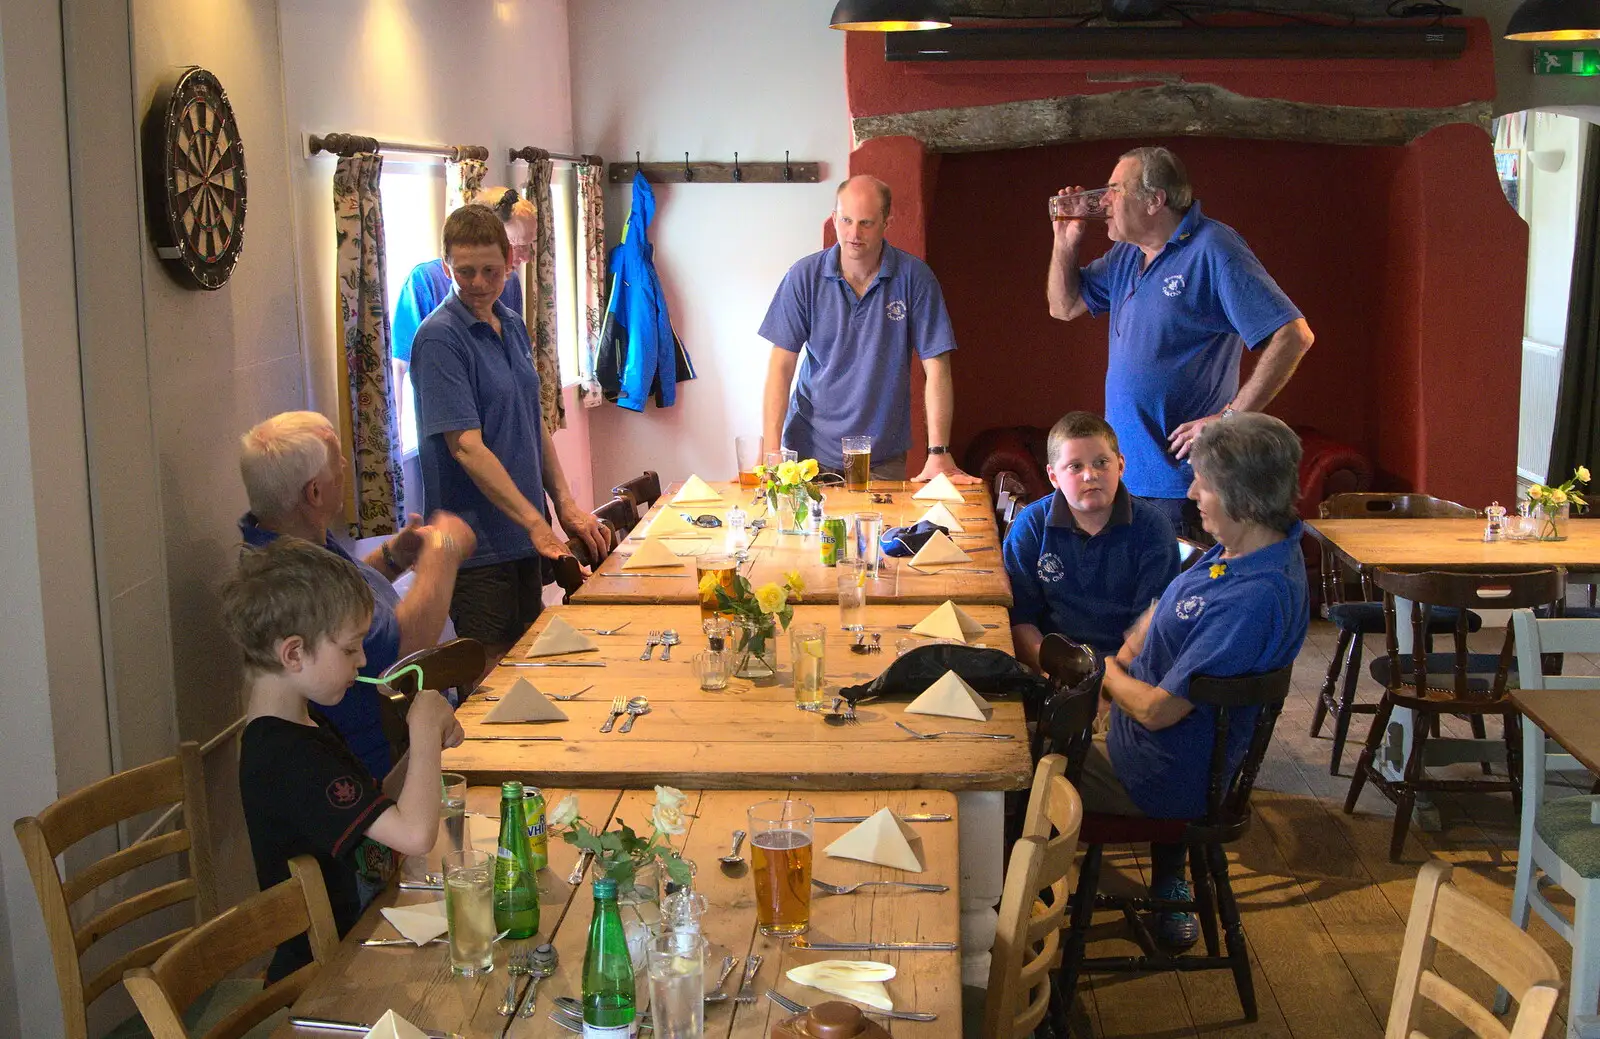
x=1240 y=610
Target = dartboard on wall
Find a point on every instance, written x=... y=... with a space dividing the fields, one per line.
x=194 y=179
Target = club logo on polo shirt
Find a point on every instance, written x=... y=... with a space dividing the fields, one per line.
x=343 y=792
x=1190 y=608
x=896 y=310
x=1172 y=285
x=1050 y=568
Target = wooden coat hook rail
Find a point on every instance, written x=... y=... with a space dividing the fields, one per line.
x=735 y=172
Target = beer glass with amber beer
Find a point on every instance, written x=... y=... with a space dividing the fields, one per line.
x=747 y=455
x=780 y=852
x=722 y=568
x=857 y=463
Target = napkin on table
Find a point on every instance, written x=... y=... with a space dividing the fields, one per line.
x=652 y=555
x=696 y=491
x=524 y=703
x=941 y=515
x=420 y=923
x=392 y=1026
x=949 y=621
x=939 y=489
x=951 y=697
x=884 y=839
x=939 y=549
x=560 y=637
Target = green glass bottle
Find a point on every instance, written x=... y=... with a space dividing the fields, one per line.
x=608 y=1001
x=516 y=884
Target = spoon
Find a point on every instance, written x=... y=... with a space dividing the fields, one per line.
x=669 y=638
x=733 y=862
x=636 y=706
x=541 y=965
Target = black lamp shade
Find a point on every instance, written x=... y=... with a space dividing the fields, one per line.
x=888 y=15
x=1545 y=21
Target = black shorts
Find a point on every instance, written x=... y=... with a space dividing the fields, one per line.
x=495 y=604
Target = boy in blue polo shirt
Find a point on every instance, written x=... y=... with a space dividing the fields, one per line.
x=1087 y=560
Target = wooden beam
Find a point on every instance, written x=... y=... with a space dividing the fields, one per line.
x=1297 y=42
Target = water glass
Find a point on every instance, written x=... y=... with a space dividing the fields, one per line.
x=452 y=820
x=712 y=668
x=780 y=856
x=676 y=962
x=808 y=653
x=853 y=576
x=747 y=453
x=469 y=911
x=869 y=540
x=857 y=463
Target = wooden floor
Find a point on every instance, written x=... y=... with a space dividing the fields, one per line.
x=1324 y=908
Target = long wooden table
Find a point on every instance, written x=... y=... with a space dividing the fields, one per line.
x=745 y=736
x=773 y=554
x=1451 y=544
x=361 y=983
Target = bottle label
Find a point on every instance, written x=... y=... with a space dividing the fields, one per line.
x=607 y=1031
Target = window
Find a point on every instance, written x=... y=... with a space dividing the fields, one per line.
x=569 y=287
x=413 y=218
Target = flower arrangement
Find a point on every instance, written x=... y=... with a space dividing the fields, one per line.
x=1547 y=501
x=758 y=611
x=789 y=484
x=620 y=853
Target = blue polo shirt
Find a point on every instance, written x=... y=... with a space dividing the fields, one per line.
x=855 y=375
x=467 y=377
x=426 y=287
x=356 y=716
x=1248 y=619
x=1177 y=329
x=1088 y=588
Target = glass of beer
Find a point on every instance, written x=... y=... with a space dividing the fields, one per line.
x=808 y=652
x=722 y=567
x=857 y=463
x=469 y=911
x=780 y=852
x=747 y=453
x=1081 y=205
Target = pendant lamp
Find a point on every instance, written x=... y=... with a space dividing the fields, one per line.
x=1555 y=21
x=888 y=15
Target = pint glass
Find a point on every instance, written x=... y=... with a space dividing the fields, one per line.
x=857 y=463
x=780 y=853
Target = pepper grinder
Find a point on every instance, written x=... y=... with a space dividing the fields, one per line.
x=1494 y=529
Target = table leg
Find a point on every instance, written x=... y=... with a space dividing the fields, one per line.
x=982 y=836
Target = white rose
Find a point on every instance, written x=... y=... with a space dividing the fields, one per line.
x=672 y=797
x=564 y=813
x=668 y=818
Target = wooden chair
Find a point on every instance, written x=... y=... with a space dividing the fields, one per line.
x=620 y=516
x=1066 y=720
x=206 y=955
x=1437 y=684
x=1227 y=819
x=1442 y=914
x=125 y=796
x=568 y=569
x=1189 y=553
x=1357 y=619
x=457 y=664
x=1559 y=842
x=642 y=490
x=1027 y=942
x=1009 y=497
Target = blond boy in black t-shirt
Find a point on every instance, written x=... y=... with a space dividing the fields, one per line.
x=298 y=614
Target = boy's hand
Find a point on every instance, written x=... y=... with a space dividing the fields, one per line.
x=431 y=717
x=455 y=736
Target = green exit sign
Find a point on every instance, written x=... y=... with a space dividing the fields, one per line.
x=1583 y=61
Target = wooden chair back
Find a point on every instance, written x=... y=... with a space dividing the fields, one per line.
x=569 y=569
x=1189 y=553
x=209 y=953
x=1027 y=944
x=1066 y=719
x=620 y=515
x=1441 y=913
x=1465 y=592
x=1010 y=495
x=642 y=490
x=1228 y=797
x=125 y=796
x=1361 y=505
x=1536 y=639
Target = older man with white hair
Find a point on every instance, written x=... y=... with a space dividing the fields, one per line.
x=294 y=472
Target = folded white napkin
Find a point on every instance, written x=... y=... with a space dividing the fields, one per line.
x=523 y=702
x=560 y=637
x=860 y=980
x=949 y=621
x=420 y=923
x=937 y=550
x=939 y=489
x=695 y=491
x=392 y=1026
x=884 y=839
x=951 y=697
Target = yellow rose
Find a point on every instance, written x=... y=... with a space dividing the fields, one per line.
x=808 y=469
x=668 y=819
x=1583 y=474
x=788 y=472
x=708 y=586
x=670 y=796
x=770 y=598
x=1535 y=493
x=797 y=584
x=761 y=472
x=1558 y=497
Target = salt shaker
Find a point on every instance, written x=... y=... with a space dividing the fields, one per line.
x=737 y=539
x=1494 y=529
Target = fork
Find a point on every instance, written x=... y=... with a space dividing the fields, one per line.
x=899 y=1015
x=974 y=735
x=619 y=706
x=608 y=631
x=848 y=889
x=564 y=697
x=514 y=967
x=650 y=643
x=747 y=992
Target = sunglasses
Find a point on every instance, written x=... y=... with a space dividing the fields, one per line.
x=707 y=520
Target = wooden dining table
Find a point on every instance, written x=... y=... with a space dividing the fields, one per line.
x=361 y=983
x=772 y=555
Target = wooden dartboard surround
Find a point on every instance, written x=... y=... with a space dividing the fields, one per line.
x=195 y=179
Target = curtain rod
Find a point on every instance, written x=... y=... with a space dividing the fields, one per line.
x=346 y=144
x=532 y=154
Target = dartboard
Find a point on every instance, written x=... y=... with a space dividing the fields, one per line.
x=195 y=179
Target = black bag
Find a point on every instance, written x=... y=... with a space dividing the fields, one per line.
x=990 y=672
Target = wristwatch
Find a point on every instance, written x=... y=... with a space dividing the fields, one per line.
x=938 y=449
x=1228 y=412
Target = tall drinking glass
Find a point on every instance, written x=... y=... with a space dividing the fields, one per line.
x=676 y=962
x=469 y=911
x=808 y=651
x=721 y=569
x=747 y=453
x=853 y=595
x=780 y=853
x=452 y=819
x=869 y=540
x=857 y=463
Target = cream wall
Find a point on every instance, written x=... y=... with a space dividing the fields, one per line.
x=710 y=77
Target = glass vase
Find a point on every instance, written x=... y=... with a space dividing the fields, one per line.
x=756 y=650
x=793 y=509
x=1550 y=522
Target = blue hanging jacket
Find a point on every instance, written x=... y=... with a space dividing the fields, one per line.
x=639 y=352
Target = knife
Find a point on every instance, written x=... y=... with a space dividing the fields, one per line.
x=552 y=663
x=674 y=577
x=923 y=817
x=908 y=627
x=801 y=943
x=517 y=739
x=378 y=943
x=329 y=1024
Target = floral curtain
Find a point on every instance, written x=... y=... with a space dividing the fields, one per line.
x=367 y=416
x=462 y=181
x=539 y=299
x=592 y=240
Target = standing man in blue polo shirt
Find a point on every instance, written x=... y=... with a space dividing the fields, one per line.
x=485 y=453
x=1185 y=294
x=1086 y=561
x=860 y=310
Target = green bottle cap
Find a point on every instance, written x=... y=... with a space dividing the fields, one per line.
x=605 y=887
x=511 y=788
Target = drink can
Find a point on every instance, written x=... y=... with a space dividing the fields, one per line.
x=533 y=810
x=831 y=540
